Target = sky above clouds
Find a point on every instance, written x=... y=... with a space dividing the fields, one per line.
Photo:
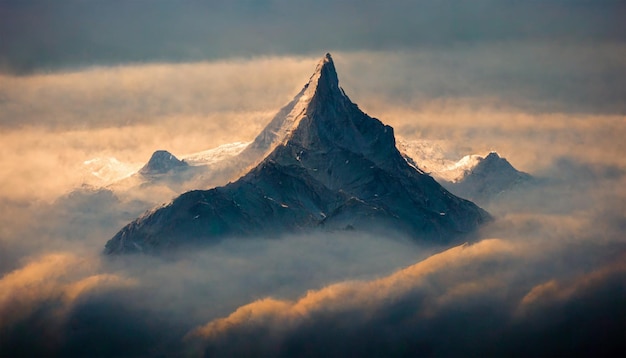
x=40 y=35
x=541 y=82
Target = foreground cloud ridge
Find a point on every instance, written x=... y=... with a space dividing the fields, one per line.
x=399 y=310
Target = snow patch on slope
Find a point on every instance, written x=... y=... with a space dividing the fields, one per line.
x=279 y=130
x=457 y=171
x=292 y=120
x=431 y=156
x=215 y=155
x=101 y=171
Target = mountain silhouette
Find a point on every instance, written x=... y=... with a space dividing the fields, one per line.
x=325 y=165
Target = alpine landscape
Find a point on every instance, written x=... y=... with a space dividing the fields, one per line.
x=313 y=178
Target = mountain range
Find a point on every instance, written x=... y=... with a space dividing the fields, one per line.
x=479 y=178
x=320 y=164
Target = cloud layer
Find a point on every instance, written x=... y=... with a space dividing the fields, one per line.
x=546 y=278
x=465 y=301
x=483 y=97
x=38 y=35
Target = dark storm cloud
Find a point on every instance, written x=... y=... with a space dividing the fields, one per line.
x=39 y=35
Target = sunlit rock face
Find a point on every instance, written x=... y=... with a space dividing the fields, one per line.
x=325 y=165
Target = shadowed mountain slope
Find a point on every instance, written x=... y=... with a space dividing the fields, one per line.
x=326 y=165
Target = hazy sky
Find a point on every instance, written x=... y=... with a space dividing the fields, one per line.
x=63 y=34
x=541 y=82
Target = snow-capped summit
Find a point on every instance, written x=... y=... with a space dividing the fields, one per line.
x=324 y=164
x=322 y=84
x=162 y=162
x=487 y=178
x=480 y=178
x=492 y=163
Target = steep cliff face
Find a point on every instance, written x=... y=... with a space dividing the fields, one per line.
x=325 y=165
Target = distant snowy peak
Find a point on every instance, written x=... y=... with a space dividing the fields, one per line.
x=437 y=158
x=196 y=170
x=490 y=165
x=162 y=162
x=487 y=178
x=430 y=156
x=459 y=170
x=494 y=170
x=476 y=177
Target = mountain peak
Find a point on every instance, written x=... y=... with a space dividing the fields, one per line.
x=324 y=64
x=321 y=89
x=326 y=60
x=326 y=72
x=325 y=164
x=161 y=162
x=492 y=156
x=488 y=178
x=493 y=163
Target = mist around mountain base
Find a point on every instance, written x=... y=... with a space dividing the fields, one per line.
x=546 y=278
x=548 y=270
